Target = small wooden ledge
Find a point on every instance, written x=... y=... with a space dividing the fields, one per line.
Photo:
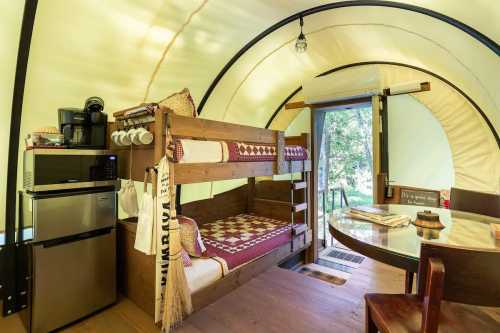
x=299 y=207
x=299 y=185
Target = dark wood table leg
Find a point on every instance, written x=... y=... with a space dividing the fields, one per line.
x=409 y=282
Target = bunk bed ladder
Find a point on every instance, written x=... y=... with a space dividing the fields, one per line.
x=295 y=208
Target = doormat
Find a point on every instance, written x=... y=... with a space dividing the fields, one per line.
x=324 y=273
x=342 y=256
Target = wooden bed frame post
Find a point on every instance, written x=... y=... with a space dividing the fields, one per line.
x=280 y=146
x=312 y=251
x=160 y=123
x=251 y=194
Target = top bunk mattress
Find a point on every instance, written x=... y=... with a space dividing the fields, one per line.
x=242 y=238
x=198 y=151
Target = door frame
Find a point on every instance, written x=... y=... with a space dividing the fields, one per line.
x=316 y=131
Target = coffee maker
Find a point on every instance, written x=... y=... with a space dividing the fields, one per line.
x=84 y=128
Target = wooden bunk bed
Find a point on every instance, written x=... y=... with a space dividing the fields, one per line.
x=275 y=200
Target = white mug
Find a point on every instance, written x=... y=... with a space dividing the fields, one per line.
x=123 y=138
x=115 y=137
x=131 y=135
x=145 y=137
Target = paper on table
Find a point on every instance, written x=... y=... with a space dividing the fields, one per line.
x=397 y=221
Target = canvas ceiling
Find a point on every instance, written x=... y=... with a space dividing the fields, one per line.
x=109 y=48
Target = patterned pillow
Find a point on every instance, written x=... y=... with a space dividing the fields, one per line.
x=180 y=103
x=190 y=237
x=186 y=259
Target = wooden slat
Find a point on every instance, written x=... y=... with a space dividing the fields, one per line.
x=218 y=130
x=296 y=105
x=343 y=103
x=299 y=228
x=299 y=185
x=273 y=202
x=302 y=140
x=222 y=205
x=205 y=172
x=300 y=207
x=295 y=166
x=159 y=128
x=275 y=209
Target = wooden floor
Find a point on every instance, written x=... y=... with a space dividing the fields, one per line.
x=285 y=301
x=276 y=301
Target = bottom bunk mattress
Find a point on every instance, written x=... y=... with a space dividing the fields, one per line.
x=242 y=238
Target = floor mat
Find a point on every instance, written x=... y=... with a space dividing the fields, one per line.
x=341 y=256
x=324 y=273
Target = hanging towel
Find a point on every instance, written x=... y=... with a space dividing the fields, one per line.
x=128 y=198
x=145 y=237
x=127 y=194
x=173 y=298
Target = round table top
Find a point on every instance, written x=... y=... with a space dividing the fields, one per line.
x=461 y=229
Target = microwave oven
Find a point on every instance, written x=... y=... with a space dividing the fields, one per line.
x=64 y=169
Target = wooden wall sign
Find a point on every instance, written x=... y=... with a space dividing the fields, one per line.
x=418 y=197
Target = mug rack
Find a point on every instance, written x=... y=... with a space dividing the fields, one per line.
x=139 y=116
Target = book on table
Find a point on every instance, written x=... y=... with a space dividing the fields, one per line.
x=378 y=215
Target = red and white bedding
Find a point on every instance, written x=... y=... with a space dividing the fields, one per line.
x=198 y=151
x=242 y=238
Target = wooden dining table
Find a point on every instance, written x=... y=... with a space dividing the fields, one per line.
x=400 y=246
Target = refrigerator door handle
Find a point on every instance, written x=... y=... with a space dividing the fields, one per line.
x=75 y=238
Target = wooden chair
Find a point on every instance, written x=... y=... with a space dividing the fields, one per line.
x=452 y=283
x=475 y=202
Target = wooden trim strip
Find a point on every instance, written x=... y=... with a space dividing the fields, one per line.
x=217 y=130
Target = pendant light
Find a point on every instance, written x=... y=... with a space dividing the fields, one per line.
x=301 y=42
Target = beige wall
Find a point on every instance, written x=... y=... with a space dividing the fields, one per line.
x=10 y=27
x=419 y=153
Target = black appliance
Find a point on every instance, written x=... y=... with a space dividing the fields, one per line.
x=84 y=128
x=65 y=169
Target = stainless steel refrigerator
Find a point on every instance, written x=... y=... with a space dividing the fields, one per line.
x=73 y=255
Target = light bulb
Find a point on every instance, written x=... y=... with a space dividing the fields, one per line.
x=301 y=43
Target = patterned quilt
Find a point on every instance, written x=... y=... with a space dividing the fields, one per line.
x=244 y=152
x=242 y=238
x=199 y=151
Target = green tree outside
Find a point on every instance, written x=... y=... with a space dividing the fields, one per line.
x=346 y=155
